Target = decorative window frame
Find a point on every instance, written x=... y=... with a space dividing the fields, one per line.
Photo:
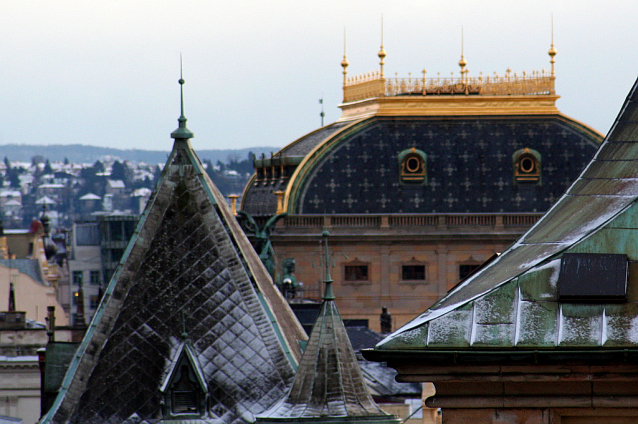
x=413 y=167
x=356 y=262
x=414 y=262
x=526 y=167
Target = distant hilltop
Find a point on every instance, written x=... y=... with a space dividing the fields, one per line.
x=78 y=153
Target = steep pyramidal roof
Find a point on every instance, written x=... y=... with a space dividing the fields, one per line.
x=514 y=304
x=190 y=266
x=329 y=385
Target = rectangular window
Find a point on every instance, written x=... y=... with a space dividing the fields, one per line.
x=93 y=302
x=466 y=270
x=413 y=272
x=356 y=272
x=87 y=235
x=117 y=233
x=116 y=254
x=77 y=277
x=95 y=278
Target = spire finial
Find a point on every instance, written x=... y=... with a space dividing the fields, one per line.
x=328 y=293
x=382 y=53
x=181 y=83
x=344 y=62
x=322 y=114
x=181 y=133
x=184 y=333
x=552 y=51
x=462 y=62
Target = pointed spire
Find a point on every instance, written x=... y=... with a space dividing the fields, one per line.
x=462 y=62
x=382 y=53
x=329 y=386
x=344 y=62
x=328 y=293
x=181 y=133
x=552 y=51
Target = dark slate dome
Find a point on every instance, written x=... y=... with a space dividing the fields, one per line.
x=470 y=165
x=456 y=145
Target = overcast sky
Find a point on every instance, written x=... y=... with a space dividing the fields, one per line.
x=105 y=72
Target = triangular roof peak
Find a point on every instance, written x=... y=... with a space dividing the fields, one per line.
x=329 y=385
x=188 y=256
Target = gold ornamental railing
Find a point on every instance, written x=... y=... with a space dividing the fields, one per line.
x=374 y=85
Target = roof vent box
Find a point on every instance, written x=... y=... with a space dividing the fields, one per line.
x=592 y=277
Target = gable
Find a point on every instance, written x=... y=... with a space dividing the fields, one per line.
x=186 y=257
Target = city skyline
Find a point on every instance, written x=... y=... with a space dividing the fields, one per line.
x=106 y=74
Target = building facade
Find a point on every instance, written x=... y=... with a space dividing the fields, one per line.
x=420 y=182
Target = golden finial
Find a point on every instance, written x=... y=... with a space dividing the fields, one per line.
x=462 y=62
x=552 y=51
x=424 y=81
x=382 y=51
x=233 y=203
x=344 y=62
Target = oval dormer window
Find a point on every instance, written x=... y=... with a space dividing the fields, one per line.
x=412 y=166
x=527 y=166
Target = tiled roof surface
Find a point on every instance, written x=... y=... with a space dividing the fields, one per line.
x=29 y=267
x=188 y=258
x=305 y=144
x=513 y=302
x=329 y=382
x=469 y=165
x=260 y=199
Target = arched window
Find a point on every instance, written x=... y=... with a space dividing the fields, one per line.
x=412 y=166
x=527 y=166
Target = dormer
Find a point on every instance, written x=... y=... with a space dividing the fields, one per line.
x=185 y=392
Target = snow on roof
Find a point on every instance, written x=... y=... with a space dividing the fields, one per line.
x=46 y=200
x=13 y=203
x=7 y=193
x=606 y=189
x=141 y=192
x=49 y=185
x=90 y=196
x=116 y=183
